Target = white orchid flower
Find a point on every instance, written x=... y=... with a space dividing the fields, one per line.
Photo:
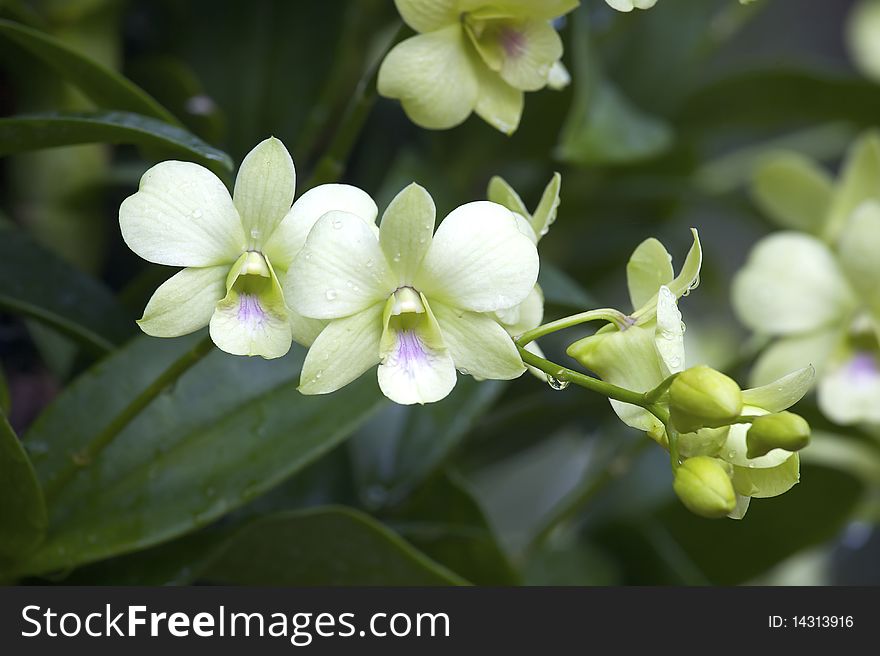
x=530 y=313
x=416 y=303
x=474 y=56
x=819 y=294
x=236 y=249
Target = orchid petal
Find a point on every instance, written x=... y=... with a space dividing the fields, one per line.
x=433 y=76
x=478 y=345
x=407 y=231
x=479 y=260
x=290 y=235
x=185 y=302
x=341 y=269
x=182 y=215
x=343 y=351
x=264 y=190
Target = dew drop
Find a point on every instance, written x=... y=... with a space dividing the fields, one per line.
x=331 y=294
x=255 y=233
x=369 y=264
x=463 y=371
x=731 y=454
x=337 y=223
x=422 y=240
x=751 y=465
x=396 y=258
x=556 y=384
x=197 y=214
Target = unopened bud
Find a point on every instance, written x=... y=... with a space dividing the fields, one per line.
x=704 y=487
x=701 y=397
x=782 y=430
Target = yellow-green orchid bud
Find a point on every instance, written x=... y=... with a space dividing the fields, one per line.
x=782 y=430
x=701 y=397
x=703 y=485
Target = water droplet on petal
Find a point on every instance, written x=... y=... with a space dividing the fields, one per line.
x=331 y=294
x=197 y=214
x=463 y=371
x=731 y=454
x=337 y=223
x=751 y=465
x=396 y=258
x=255 y=233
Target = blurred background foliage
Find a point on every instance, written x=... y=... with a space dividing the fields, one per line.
x=230 y=475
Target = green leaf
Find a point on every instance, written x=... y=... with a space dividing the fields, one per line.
x=445 y=521
x=396 y=450
x=52 y=129
x=603 y=126
x=574 y=562
x=324 y=546
x=786 y=96
x=229 y=430
x=38 y=284
x=105 y=87
x=179 y=562
x=22 y=509
x=670 y=546
x=609 y=129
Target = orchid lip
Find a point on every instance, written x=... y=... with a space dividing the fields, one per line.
x=250 y=312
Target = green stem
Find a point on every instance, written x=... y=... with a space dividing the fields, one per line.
x=604 y=314
x=102 y=440
x=566 y=375
x=332 y=165
x=575 y=501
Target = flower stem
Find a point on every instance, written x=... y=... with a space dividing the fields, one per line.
x=575 y=501
x=332 y=165
x=566 y=375
x=102 y=440
x=604 y=314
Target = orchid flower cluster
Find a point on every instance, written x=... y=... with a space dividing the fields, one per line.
x=423 y=305
x=726 y=445
x=261 y=273
x=814 y=288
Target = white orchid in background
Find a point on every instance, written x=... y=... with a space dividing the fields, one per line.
x=816 y=289
x=235 y=248
x=474 y=55
x=418 y=304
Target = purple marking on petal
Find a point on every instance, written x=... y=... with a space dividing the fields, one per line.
x=410 y=351
x=250 y=312
x=862 y=368
x=513 y=41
